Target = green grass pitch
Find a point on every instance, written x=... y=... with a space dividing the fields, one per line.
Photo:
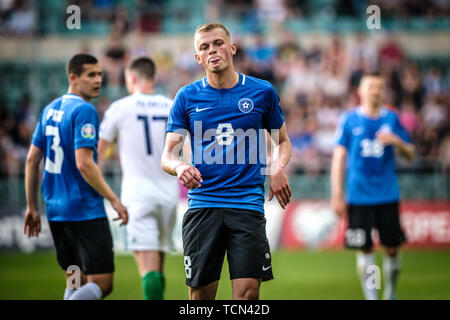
x=299 y=275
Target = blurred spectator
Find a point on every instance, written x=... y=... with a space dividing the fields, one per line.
x=363 y=53
x=411 y=83
x=433 y=82
x=409 y=118
x=301 y=80
x=22 y=20
x=113 y=64
x=433 y=113
x=270 y=10
x=261 y=56
x=390 y=54
x=333 y=83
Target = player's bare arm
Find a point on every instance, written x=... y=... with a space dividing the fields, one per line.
x=103 y=145
x=32 y=220
x=405 y=149
x=91 y=173
x=279 y=185
x=337 y=181
x=189 y=176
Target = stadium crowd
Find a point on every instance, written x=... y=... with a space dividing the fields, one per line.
x=316 y=85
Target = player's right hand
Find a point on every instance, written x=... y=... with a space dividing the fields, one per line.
x=121 y=210
x=32 y=223
x=189 y=176
x=339 y=206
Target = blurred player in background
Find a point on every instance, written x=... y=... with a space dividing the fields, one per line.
x=364 y=158
x=73 y=186
x=138 y=123
x=226 y=200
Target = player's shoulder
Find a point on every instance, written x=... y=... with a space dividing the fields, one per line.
x=192 y=88
x=52 y=104
x=162 y=100
x=389 y=113
x=257 y=82
x=350 y=115
x=81 y=108
x=119 y=104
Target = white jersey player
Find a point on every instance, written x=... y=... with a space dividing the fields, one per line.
x=138 y=123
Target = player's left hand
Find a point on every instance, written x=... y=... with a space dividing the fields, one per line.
x=279 y=186
x=121 y=210
x=388 y=138
x=32 y=223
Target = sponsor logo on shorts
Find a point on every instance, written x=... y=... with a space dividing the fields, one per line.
x=264 y=268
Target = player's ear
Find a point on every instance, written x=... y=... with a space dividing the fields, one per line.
x=72 y=77
x=233 y=48
x=197 y=57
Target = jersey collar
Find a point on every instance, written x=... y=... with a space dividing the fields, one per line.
x=241 y=82
x=72 y=96
x=360 y=112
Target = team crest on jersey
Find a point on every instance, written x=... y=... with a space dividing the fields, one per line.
x=245 y=105
x=88 y=131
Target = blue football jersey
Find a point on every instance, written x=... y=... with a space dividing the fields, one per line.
x=371 y=177
x=66 y=124
x=227 y=139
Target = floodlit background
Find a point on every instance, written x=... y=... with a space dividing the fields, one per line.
x=313 y=52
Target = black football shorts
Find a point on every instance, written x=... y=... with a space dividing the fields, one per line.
x=209 y=233
x=87 y=244
x=362 y=219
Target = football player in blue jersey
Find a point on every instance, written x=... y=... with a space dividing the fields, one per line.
x=364 y=158
x=73 y=186
x=226 y=114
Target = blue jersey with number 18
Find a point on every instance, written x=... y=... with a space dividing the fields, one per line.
x=66 y=124
x=371 y=175
x=228 y=139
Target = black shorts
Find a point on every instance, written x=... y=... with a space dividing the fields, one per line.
x=363 y=219
x=210 y=232
x=87 y=244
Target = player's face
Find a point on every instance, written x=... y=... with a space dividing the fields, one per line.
x=214 y=50
x=371 y=90
x=89 y=82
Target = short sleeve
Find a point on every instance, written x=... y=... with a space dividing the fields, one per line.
x=110 y=124
x=341 y=136
x=86 y=125
x=38 y=136
x=177 y=117
x=273 y=119
x=400 y=131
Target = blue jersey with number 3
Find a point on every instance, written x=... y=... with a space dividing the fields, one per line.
x=371 y=177
x=66 y=124
x=228 y=139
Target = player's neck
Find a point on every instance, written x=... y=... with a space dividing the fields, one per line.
x=143 y=88
x=223 y=80
x=371 y=110
x=73 y=91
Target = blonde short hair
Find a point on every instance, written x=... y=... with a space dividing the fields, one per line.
x=211 y=26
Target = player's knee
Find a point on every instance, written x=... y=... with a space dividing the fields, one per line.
x=105 y=285
x=392 y=251
x=106 y=288
x=249 y=293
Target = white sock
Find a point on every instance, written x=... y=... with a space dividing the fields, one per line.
x=90 y=291
x=68 y=292
x=363 y=262
x=391 y=269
